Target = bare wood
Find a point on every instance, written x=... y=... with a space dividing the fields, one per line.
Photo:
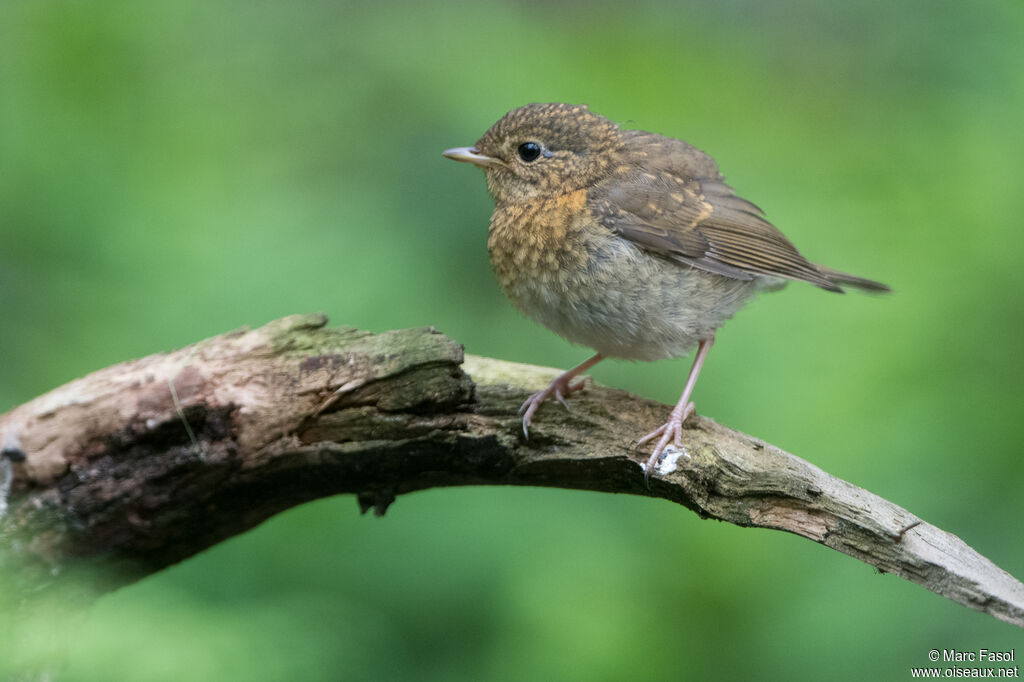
x=143 y=464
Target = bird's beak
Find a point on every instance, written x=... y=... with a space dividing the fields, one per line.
x=471 y=155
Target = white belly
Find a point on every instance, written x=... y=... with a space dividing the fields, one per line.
x=627 y=304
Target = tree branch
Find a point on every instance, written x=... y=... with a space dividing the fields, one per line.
x=143 y=464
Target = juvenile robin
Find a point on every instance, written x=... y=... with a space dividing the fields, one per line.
x=627 y=242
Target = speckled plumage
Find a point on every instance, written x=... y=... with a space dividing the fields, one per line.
x=625 y=241
x=573 y=275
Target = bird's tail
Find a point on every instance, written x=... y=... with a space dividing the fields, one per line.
x=844 y=279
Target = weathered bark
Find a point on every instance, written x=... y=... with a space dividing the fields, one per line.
x=143 y=464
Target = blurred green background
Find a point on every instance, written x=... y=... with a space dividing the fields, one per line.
x=170 y=170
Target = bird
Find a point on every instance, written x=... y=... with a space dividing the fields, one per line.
x=627 y=242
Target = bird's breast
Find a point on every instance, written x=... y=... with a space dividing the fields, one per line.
x=561 y=266
x=537 y=241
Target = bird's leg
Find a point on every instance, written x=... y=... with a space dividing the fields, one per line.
x=672 y=430
x=560 y=388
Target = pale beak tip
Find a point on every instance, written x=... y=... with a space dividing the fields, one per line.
x=469 y=155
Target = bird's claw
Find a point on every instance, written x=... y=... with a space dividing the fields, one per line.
x=560 y=398
x=672 y=430
x=560 y=387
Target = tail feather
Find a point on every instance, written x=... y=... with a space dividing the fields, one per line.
x=844 y=279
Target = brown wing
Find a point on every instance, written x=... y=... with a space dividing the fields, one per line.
x=700 y=222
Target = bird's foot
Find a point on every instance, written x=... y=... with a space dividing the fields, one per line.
x=672 y=430
x=560 y=387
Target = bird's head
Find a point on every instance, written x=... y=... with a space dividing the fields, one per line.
x=543 y=150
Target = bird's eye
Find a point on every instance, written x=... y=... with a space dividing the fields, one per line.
x=529 y=151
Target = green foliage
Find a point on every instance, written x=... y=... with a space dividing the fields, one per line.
x=172 y=170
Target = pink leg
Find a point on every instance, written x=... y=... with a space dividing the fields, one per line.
x=560 y=387
x=673 y=428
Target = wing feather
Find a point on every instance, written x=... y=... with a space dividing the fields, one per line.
x=658 y=204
